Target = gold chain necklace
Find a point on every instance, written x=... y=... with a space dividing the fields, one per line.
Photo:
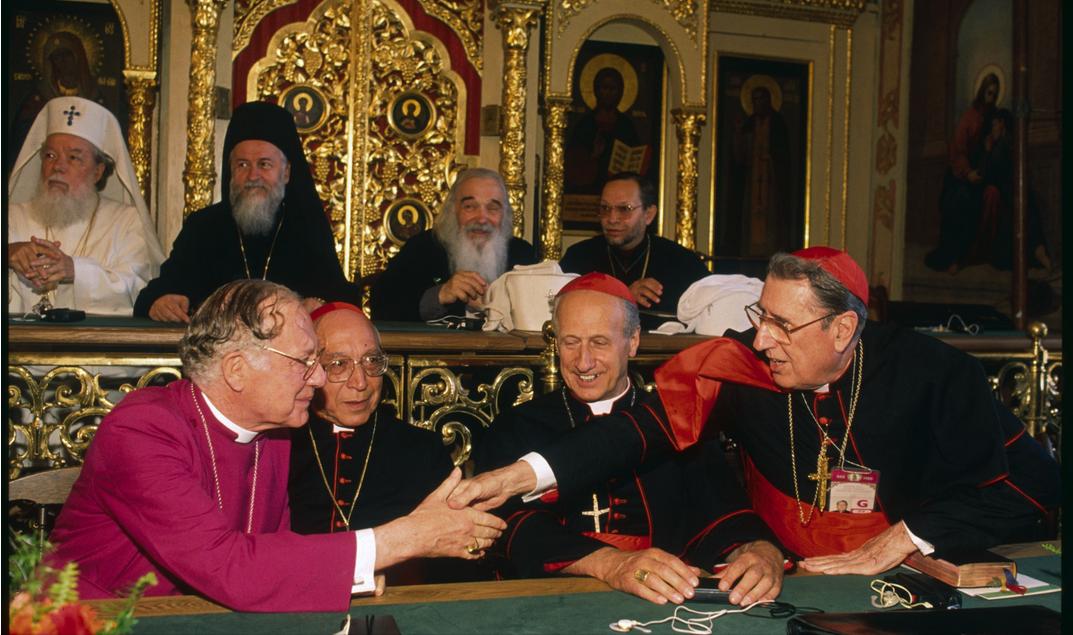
x=821 y=459
x=216 y=476
x=361 y=480
x=644 y=270
x=272 y=248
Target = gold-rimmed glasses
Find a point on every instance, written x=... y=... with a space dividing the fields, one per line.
x=779 y=330
x=341 y=367
x=309 y=363
x=622 y=209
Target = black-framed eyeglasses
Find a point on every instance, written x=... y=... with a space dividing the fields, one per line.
x=779 y=330
x=340 y=368
x=310 y=363
x=622 y=209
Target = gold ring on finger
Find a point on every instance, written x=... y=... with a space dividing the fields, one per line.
x=473 y=549
x=641 y=575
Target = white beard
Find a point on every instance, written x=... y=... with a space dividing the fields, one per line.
x=62 y=209
x=254 y=207
x=489 y=259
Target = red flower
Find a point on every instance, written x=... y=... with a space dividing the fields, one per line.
x=75 y=619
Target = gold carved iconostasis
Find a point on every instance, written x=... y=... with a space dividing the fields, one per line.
x=410 y=111
x=766 y=124
x=385 y=94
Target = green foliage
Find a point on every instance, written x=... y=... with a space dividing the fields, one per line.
x=26 y=554
x=124 y=621
x=65 y=589
x=50 y=589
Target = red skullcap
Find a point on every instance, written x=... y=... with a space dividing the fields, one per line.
x=328 y=307
x=841 y=266
x=601 y=282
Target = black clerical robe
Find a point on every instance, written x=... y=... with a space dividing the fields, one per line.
x=954 y=464
x=406 y=464
x=421 y=264
x=690 y=505
x=674 y=266
x=206 y=255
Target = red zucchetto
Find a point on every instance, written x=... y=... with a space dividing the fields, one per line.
x=601 y=282
x=328 y=307
x=841 y=266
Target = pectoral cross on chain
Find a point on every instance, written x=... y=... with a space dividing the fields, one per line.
x=596 y=513
x=822 y=476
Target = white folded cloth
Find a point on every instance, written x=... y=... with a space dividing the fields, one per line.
x=520 y=300
x=714 y=304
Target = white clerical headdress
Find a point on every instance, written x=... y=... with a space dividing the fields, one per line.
x=96 y=124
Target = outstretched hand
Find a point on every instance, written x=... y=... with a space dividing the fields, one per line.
x=434 y=530
x=491 y=489
x=882 y=552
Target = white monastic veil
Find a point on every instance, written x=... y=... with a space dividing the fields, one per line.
x=94 y=123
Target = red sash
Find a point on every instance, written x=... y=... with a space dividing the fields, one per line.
x=827 y=532
x=621 y=541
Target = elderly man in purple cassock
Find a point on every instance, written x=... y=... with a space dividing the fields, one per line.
x=189 y=481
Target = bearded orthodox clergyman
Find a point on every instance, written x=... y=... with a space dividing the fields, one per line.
x=78 y=229
x=448 y=268
x=272 y=226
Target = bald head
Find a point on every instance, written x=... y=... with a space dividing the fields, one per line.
x=351 y=395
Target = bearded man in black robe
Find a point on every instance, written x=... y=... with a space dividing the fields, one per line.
x=820 y=391
x=271 y=226
x=650 y=531
x=446 y=270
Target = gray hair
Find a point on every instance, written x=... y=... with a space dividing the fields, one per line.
x=830 y=294
x=448 y=213
x=109 y=167
x=238 y=315
x=631 y=322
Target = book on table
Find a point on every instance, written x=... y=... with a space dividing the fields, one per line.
x=965 y=568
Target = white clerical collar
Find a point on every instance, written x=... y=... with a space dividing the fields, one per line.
x=242 y=435
x=823 y=388
x=603 y=407
x=336 y=429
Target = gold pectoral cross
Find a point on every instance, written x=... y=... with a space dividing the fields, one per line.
x=822 y=476
x=596 y=513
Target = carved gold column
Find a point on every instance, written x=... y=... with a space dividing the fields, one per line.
x=551 y=226
x=1035 y=416
x=515 y=19
x=199 y=174
x=141 y=98
x=687 y=123
x=549 y=360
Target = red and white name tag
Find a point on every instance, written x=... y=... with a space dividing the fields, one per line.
x=853 y=491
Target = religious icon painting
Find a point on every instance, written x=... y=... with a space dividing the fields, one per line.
x=307 y=105
x=405 y=219
x=411 y=114
x=614 y=124
x=761 y=149
x=58 y=49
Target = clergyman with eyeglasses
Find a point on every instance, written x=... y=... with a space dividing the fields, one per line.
x=189 y=481
x=826 y=407
x=355 y=464
x=656 y=270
